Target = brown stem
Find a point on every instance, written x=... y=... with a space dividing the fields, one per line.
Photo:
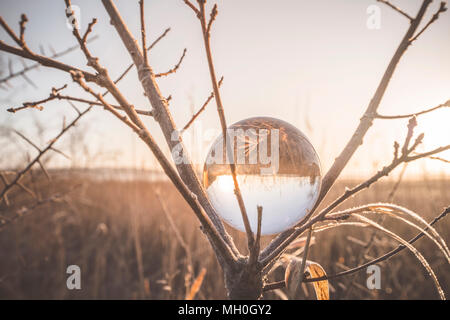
x=226 y=138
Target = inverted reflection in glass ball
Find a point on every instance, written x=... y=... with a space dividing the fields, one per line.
x=277 y=168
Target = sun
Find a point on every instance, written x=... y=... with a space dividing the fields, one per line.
x=436 y=128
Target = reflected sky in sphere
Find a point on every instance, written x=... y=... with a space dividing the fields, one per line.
x=277 y=168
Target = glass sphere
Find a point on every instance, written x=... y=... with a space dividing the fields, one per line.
x=277 y=168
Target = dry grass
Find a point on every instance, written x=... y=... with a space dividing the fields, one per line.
x=97 y=225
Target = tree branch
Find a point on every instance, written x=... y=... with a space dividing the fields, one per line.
x=397 y=9
x=55 y=95
x=195 y=116
x=21 y=173
x=442 y=8
x=44 y=61
x=36 y=65
x=443 y=105
x=254 y=253
x=227 y=143
x=190 y=198
x=174 y=69
x=365 y=123
x=272 y=252
x=164 y=119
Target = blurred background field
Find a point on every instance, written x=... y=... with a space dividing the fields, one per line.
x=118 y=233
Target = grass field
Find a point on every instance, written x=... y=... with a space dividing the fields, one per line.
x=126 y=247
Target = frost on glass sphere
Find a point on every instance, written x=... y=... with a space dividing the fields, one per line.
x=277 y=168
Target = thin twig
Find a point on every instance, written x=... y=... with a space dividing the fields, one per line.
x=305 y=256
x=226 y=139
x=442 y=8
x=190 y=5
x=21 y=173
x=445 y=104
x=143 y=34
x=440 y=159
x=195 y=116
x=175 y=68
x=37 y=65
x=25 y=52
x=212 y=17
x=58 y=96
x=397 y=9
x=254 y=253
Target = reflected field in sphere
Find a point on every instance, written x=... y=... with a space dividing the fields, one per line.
x=279 y=171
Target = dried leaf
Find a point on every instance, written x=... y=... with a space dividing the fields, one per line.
x=293 y=278
x=320 y=287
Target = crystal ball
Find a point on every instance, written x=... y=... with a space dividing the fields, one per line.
x=277 y=168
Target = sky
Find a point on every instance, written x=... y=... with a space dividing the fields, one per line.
x=315 y=64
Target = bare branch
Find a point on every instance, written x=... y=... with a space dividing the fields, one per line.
x=27 y=140
x=254 y=252
x=443 y=105
x=215 y=237
x=9 y=31
x=30 y=82
x=212 y=17
x=174 y=69
x=427 y=154
x=195 y=116
x=89 y=29
x=397 y=9
x=143 y=34
x=226 y=139
x=165 y=120
x=157 y=40
x=36 y=147
x=125 y=72
x=365 y=123
x=55 y=95
x=20 y=174
x=270 y=253
x=305 y=256
x=36 y=65
x=45 y=61
x=440 y=159
x=23 y=22
x=190 y=5
x=442 y=8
